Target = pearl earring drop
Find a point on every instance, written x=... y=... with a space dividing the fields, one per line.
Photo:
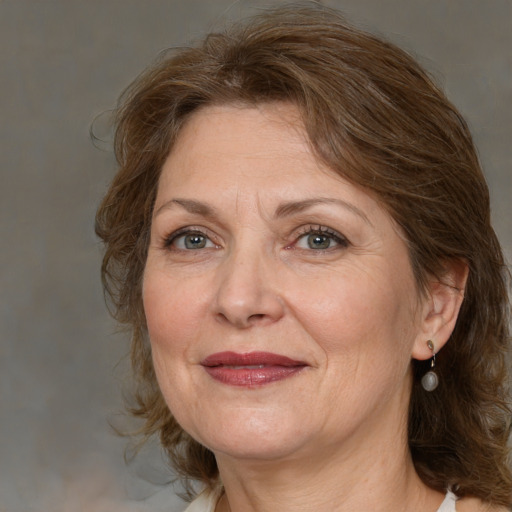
x=430 y=380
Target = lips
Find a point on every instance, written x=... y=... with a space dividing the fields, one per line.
x=251 y=369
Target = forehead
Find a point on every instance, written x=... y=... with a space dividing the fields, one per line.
x=266 y=131
x=265 y=144
x=253 y=157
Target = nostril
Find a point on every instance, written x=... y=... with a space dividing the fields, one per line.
x=260 y=320
x=242 y=323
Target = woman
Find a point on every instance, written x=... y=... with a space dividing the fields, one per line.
x=299 y=237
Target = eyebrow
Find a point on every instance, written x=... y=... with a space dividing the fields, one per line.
x=294 y=207
x=191 y=206
x=283 y=210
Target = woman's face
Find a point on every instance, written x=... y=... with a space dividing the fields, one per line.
x=280 y=301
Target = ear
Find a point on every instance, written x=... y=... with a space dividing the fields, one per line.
x=440 y=308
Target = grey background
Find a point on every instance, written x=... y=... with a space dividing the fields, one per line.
x=62 y=363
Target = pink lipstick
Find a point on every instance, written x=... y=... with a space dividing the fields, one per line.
x=250 y=369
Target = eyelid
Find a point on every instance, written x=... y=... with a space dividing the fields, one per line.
x=169 y=239
x=299 y=233
x=310 y=229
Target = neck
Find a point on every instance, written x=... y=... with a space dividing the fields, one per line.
x=373 y=471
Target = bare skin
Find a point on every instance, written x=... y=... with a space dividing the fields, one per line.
x=463 y=505
x=255 y=246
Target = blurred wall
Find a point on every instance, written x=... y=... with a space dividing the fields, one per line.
x=63 y=62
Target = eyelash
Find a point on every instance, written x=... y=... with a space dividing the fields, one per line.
x=182 y=232
x=309 y=230
x=340 y=240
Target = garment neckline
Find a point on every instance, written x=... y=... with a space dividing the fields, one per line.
x=448 y=504
x=211 y=498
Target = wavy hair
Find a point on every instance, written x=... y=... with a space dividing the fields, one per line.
x=375 y=116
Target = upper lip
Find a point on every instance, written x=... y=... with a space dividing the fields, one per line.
x=249 y=359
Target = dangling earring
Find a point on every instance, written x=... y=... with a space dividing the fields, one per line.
x=430 y=380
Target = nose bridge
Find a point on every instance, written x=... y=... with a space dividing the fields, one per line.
x=247 y=290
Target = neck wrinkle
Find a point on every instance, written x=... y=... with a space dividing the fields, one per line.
x=376 y=474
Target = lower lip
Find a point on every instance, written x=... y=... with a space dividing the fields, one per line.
x=251 y=377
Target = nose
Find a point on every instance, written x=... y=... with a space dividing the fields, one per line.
x=247 y=292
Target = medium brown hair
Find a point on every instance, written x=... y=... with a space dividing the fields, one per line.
x=375 y=117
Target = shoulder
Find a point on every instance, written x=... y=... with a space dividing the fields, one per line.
x=476 y=505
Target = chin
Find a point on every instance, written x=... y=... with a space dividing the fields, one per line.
x=256 y=449
x=252 y=437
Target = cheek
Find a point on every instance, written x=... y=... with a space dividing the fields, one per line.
x=174 y=322
x=351 y=306
x=161 y=312
x=172 y=326
x=173 y=310
x=363 y=322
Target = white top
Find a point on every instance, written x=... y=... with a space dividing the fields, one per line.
x=448 y=504
x=207 y=501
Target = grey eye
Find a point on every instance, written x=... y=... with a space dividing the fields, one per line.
x=191 y=241
x=319 y=241
x=194 y=241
